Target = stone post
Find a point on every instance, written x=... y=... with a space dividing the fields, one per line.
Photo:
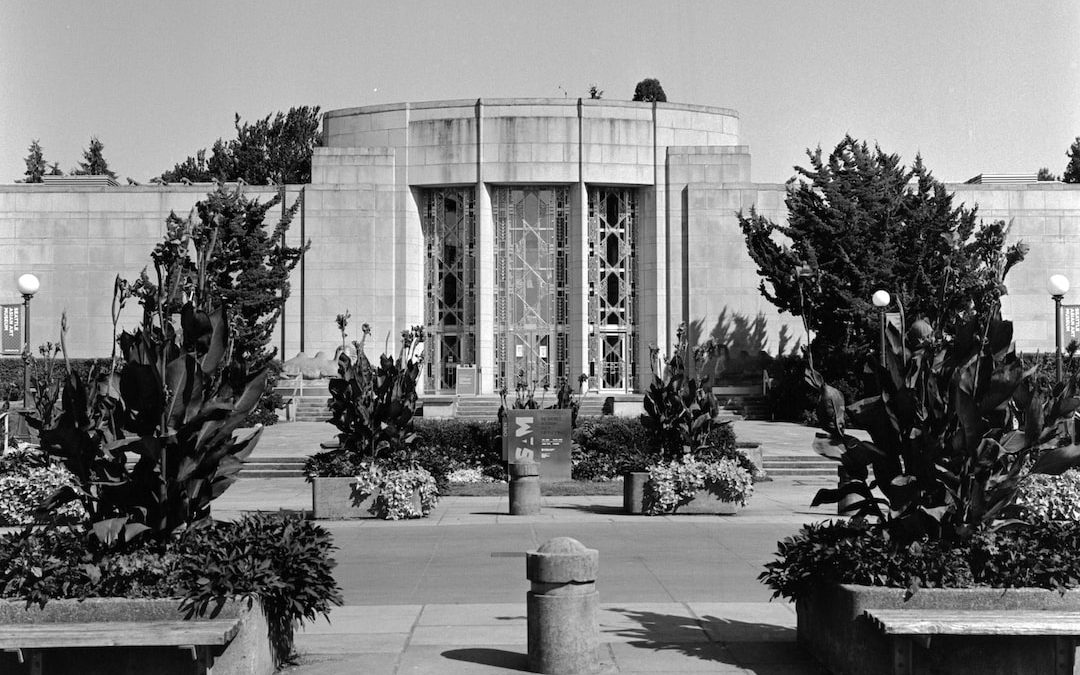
x=525 y=489
x=564 y=637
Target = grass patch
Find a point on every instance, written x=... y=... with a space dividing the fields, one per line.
x=573 y=488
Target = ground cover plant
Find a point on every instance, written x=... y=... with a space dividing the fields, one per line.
x=149 y=441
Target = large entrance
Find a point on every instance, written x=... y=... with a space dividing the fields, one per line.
x=531 y=347
x=612 y=216
x=449 y=218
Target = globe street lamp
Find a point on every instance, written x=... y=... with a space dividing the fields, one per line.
x=1058 y=286
x=881 y=300
x=28 y=285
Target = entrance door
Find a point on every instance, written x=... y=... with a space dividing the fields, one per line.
x=613 y=375
x=530 y=295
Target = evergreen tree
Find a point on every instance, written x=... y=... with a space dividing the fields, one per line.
x=859 y=221
x=650 y=90
x=94 y=163
x=35 y=163
x=1045 y=175
x=277 y=149
x=249 y=268
x=1072 y=171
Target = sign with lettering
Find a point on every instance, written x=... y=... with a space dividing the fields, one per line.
x=11 y=329
x=465 y=381
x=541 y=436
x=1070 y=324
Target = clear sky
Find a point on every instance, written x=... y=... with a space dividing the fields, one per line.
x=975 y=86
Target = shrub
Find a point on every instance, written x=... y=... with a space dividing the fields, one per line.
x=266 y=411
x=1042 y=497
x=11 y=372
x=285 y=562
x=27 y=478
x=857 y=552
x=674 y=484
x=1039 y=556
x=607 y=447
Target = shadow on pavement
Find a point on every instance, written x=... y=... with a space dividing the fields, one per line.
x=599 y=509
x=484 y=656
x=728 y=641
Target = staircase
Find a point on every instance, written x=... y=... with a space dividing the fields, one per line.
x=747 y=407
x=309 y=398
x=272 y=467
x=800 y=466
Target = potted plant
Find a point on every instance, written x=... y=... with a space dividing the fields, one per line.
x=954 y=431
x=374 y=473
x=692 y=462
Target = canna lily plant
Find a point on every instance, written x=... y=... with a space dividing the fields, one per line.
x=156 y=437
x=953 y=431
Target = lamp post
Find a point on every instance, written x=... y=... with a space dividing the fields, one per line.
x=881 y=300
x=28 y=285
x=1058 y=286
x=805 y=272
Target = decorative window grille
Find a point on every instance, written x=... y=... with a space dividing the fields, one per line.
x=449 y=221
x=531 y=309
x=612 y=286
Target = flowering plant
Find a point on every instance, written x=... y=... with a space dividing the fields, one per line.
x=394 y=490
x=1043 y=497
x=27 y=477
x=675 y=483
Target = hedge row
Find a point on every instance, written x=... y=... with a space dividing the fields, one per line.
x=11 y=372
x=604 y=448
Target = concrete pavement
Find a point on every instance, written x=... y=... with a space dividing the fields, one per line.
x=446 y=593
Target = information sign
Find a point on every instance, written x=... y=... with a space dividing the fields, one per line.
x=465 y=381
x=11 y=330
x=1070 y=324
x=541 y=436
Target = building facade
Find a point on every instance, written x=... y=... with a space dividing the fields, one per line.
x=537 y=239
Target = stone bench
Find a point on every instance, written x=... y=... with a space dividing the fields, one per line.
x=909 y=626
x=199 y=637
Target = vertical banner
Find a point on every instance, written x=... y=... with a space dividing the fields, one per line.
x=1070 y=324
x=541 y=436
x=11 y=329
x=465 y=383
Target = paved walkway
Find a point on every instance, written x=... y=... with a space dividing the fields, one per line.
x=446 y=594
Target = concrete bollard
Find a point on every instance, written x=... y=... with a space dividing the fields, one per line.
x=525 y=489
x=564 y=637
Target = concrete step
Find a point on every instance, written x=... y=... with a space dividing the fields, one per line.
x=273 y=467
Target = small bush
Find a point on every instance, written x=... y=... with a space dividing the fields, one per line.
x=11 y=372
x=284 y=562
x=266 y=411
x=607 y=447
x=27 y=477
x=1037 y=556
x=856 y=552
x=1042 y=497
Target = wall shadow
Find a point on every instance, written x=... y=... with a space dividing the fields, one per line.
x=735 y=350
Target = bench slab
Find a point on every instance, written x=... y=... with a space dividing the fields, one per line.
x=118 y=634
x=975 y=622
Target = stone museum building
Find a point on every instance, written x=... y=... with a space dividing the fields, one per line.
x=535 y=239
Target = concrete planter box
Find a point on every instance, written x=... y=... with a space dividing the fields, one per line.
x=704 y=502
x=333 y=499
x=833 y=629
x=249 y=652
